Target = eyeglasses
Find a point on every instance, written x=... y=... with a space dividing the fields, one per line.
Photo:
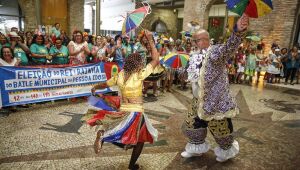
x=200 y=39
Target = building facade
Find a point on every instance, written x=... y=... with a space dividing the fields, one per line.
x=171 y=17
x=281 y=25
x=69 y=13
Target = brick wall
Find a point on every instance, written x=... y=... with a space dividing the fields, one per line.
x=277 y=25
x=165 y=15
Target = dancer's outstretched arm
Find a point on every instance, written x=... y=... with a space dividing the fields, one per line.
x=154 y=53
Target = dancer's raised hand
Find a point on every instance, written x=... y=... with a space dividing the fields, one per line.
x=243 y=23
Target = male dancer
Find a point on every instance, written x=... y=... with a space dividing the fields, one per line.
x=212 y=105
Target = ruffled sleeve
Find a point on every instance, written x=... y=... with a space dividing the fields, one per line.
x=144 y=73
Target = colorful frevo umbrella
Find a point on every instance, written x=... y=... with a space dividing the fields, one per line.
x=253 y=8
x=176 y=60
x=135 y=18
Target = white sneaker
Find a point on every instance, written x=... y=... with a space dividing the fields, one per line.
x=185 y=154
x=219 y=159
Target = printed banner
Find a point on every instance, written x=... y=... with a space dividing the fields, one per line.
x=22 y=85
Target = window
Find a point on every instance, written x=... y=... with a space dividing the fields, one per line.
x=10 y=16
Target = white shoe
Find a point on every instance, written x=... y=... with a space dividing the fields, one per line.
x=219 y=159
x=185 y=154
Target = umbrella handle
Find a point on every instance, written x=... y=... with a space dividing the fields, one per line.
x=147 y=4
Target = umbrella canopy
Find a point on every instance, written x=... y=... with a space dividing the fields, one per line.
x=254 y=38
x=176 y=60
x=135 y=18
x=186 y=33
x=253 y=8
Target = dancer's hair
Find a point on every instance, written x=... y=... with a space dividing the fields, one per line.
x=202 y=31
x=132 y=62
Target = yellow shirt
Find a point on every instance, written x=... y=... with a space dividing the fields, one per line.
x=132 y=88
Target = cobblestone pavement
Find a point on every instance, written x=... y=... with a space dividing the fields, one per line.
x=51 y=136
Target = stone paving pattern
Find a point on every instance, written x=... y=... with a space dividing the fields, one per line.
x=51 y=136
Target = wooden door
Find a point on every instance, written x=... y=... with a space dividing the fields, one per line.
x=55 y=11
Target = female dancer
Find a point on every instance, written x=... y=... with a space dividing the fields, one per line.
x=127 y=126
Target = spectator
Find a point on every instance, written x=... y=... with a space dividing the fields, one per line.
x=179 y=46
x=48 y=42
x=14 y=29
x=65 y=39
x=118 y=57
x=3 y=41
x=274 y=67
x=188 y=48
x=28 y=38
x=56 y=30
x=20 y=49
x=275 y=45
x=78 y=49
x=260 y=63
x=126 y=47
x=89 y=39
x=284 y=57
x=22 y=35
x=250 y=64
x=261 y=45
x=110 y=49
x=98 y=51
x=7 y=57
x=240 y=60
x=231 y=69
x=59 y=53
x=171 y=48
x=272 y=51
x=163 y=49
x=39 y=53
x=292 y=65
x=169 y=75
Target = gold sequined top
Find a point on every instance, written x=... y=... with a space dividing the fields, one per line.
x=132 y=88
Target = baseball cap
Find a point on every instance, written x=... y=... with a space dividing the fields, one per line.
x=13 y=34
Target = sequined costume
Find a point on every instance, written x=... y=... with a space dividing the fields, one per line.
x=212 y=105
x=127 y=124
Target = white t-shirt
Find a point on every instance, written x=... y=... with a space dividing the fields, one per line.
x=4 y=63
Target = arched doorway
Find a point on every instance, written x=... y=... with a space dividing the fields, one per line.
x=159 y=26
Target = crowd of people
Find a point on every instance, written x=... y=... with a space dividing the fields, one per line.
x=56 y=48
x=249 y=62
x=20 y=48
